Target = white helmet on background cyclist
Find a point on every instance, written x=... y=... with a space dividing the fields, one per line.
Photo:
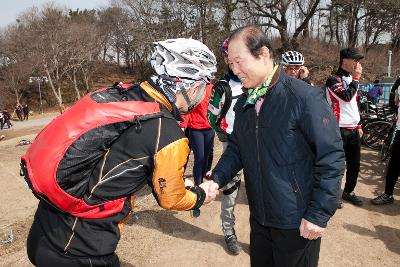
x=184 y=58
x=292 y=58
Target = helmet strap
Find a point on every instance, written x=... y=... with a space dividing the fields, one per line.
x=187 y=99
x=201 y=87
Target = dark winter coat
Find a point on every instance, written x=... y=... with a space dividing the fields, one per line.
x=292 y=155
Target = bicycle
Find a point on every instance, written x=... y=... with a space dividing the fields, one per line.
x=375 y=133
x=376 y=126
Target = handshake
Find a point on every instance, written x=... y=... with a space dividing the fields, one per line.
x=210 y=188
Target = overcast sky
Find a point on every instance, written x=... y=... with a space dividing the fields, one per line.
x=9 y=9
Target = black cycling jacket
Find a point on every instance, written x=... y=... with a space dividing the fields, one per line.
x=153 y=151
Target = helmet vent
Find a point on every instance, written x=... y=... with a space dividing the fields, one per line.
x=188 y=70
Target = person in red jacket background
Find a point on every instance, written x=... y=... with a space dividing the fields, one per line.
x=201 y=138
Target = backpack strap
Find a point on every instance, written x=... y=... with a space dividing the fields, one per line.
x=220 y=102
x=156 y=95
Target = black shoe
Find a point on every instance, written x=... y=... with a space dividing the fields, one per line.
x=382 y=199
x=232 y=244
x=195 y=213
x=352 y=198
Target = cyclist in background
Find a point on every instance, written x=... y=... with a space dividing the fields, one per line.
x=341 y=93
x=293 y=64
x=230 y=191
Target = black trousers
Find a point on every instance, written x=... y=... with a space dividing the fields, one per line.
x=9 y=124
x=272 y=247
x=393 y=168
x=352 y=150
x=42 y=253
x=201 y=142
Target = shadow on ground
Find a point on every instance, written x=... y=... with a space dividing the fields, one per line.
x=388 y=235
x=372 y=171
x=126 y=264
x=166 y=222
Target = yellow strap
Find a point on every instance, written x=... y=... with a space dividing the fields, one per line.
x=156 y=95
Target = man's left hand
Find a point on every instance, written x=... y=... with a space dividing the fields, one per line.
x=211 y=189
x=309 y=230
x=303 y=72
x=360 y=132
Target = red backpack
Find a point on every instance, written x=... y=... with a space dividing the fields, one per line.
x=113 y=109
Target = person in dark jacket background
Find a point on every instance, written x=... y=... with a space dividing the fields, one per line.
x=25 y=110
x=288 y=143
x=375 y=92
x=6 y=119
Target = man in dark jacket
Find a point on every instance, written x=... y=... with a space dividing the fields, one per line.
x=26 y=112
x=6 y=119
x=19 y=111
x=288 y=144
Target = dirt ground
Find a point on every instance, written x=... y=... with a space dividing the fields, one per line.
x=367 y=236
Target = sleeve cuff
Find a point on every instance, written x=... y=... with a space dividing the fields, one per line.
x=201 y=196
x=217 y=180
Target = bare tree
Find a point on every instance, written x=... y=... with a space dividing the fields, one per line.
x=275 y=14
x=228 y=7
x=84 y=46
x=53 y=44
x=16 y=60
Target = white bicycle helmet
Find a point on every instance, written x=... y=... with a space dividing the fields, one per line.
x=184 y=58
x=292 y=58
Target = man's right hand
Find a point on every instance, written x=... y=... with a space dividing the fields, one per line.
x=211 y=189
x=357 y=70
x=309 y=230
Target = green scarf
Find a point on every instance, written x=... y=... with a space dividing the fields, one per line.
x=255 y=93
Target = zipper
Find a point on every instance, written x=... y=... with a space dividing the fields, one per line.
x=72 y=236
x=258 y=145
x=138 y=125
x=258 y=158
x=296 y=187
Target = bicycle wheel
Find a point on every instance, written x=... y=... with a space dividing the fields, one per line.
x=375 y=133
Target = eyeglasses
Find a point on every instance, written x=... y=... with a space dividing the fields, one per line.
x=296 y=68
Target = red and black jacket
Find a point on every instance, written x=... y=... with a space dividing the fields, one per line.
x=151 y=150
